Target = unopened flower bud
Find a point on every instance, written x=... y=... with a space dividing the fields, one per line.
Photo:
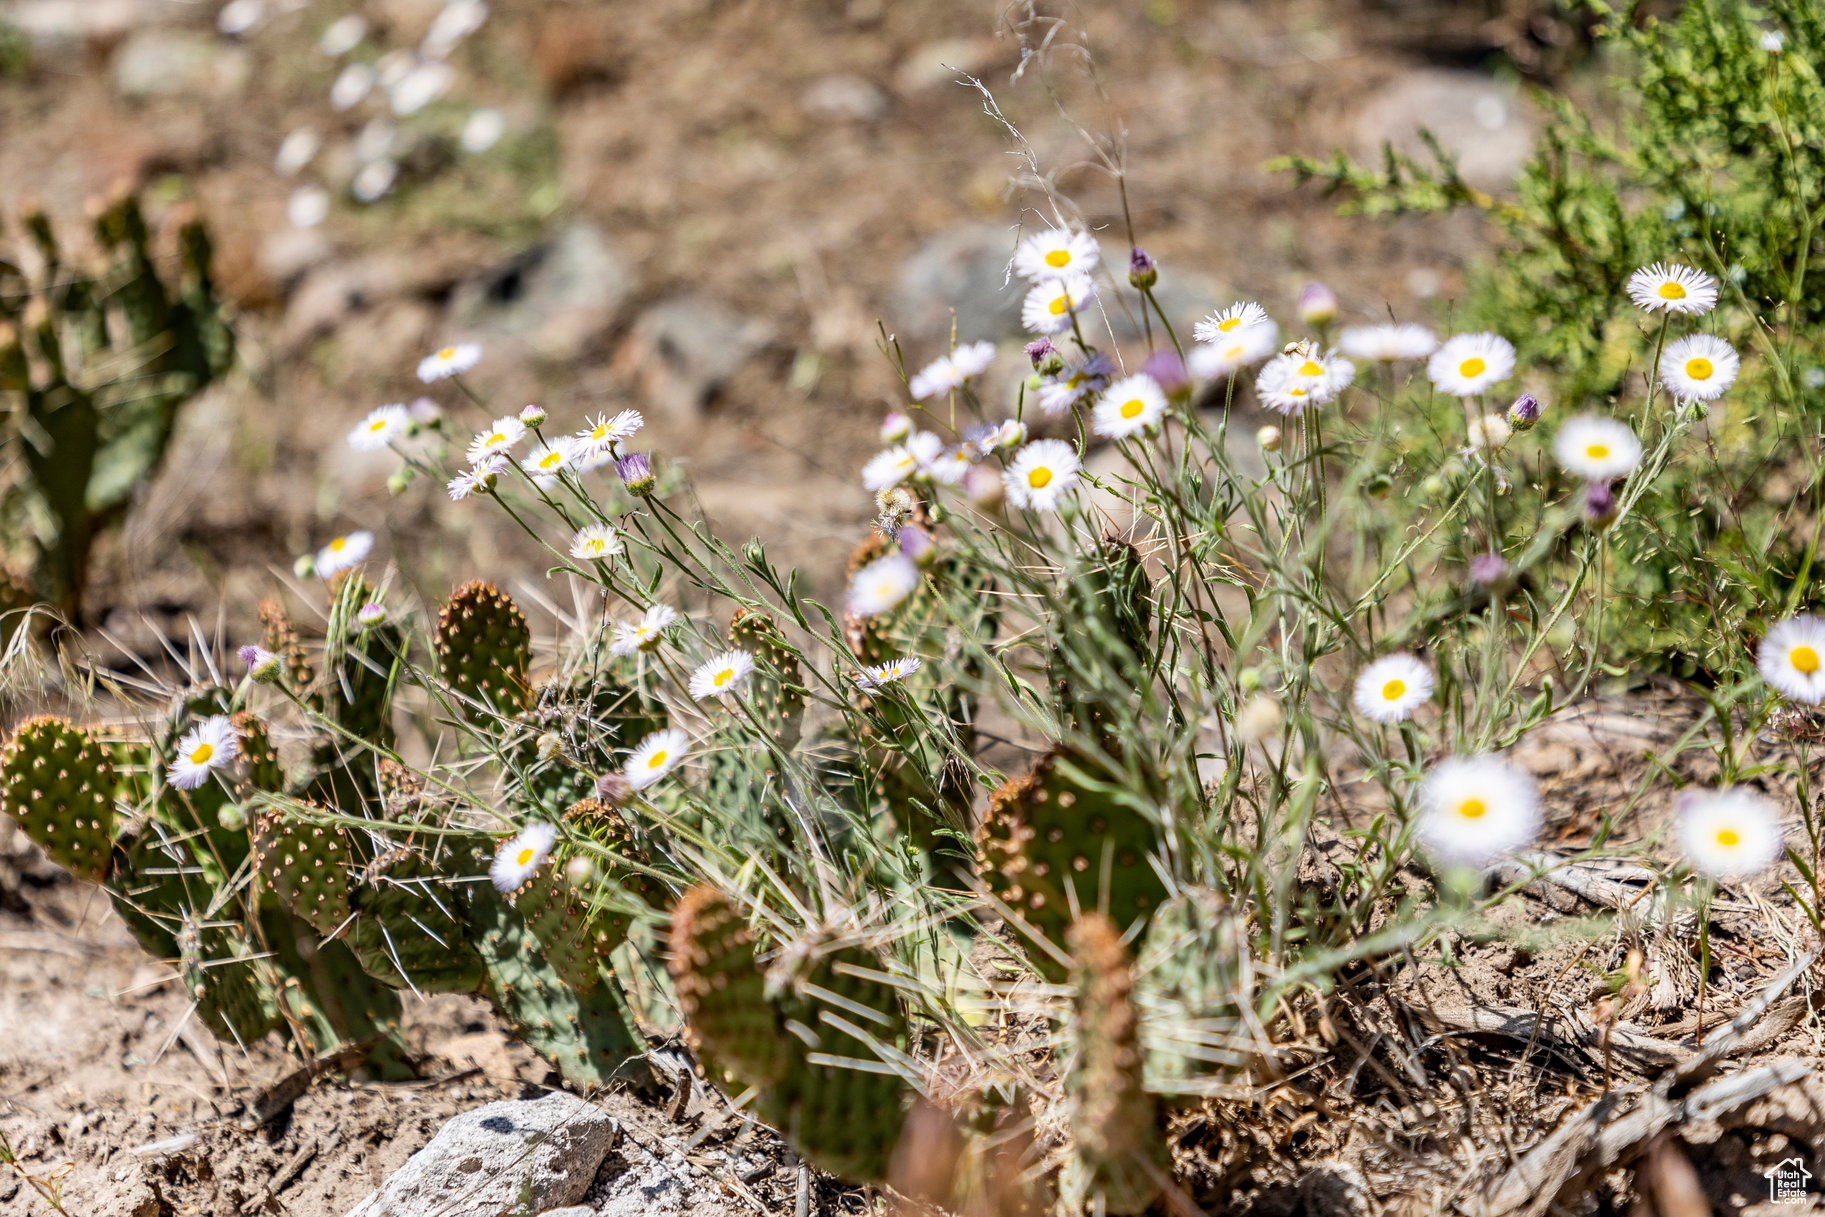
x=636 y=472
x=305 y=566
x=1599 y=505
x=399 y=482
x=371 y=613
x=1259 y=717
x=1524 y=413
x=550 y=744
x=533 y=416
x=231 y=817
x=1317 y=305
x=896 y=428
x=426 y=413
x=1168 y=371
x=917 y=544
x=1268 y=438
x=263 y=667
x=1010 y=434
x=1143 y=271
x=614 y=789
x=1039 y=350
x=1249 y=680
x=1379 y=486
x=580 y=870
x=1490 y=571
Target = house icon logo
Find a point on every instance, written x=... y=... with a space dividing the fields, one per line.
x=1788 y=1181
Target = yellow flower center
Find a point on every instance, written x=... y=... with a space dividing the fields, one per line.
x=339 y=544
x=1672 y=291
x=1472 y=809
x=1472 y=367
x=723 y=677
x=1393 y=689
x=447 y=353
x=657 y=759
x=379 y=424
x=492 y=440
x=1596 y=451
x=1229 y=323
x=1804 y=659
x=1699 y=369
x=595 y=546
x=1133 y=408
x=1060 y=306
x=551 y=460
x=1310 y=368
x=1058 y=258
x=1039 y=478
x=1295 y=392
x=525 y=856
x=201 y=754
x=599 y=431
x=1728 y=838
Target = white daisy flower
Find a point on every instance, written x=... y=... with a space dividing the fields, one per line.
x=1467 y=364
x=1041 y=474
x=483 y=130
x=1597 y=449
x=882 y=584
x=1698 y=367
x=1055 y=253
x=595 y=542
x=949 y=372
x=1129 y=406
x=477 y=480
x=1475 y=809
x=878 y=676
x=521 y=855
x=450 y=361
x=949 y=467
x=654 y=757
x=644 y=634
x=1058 y=394
x=1668 y=287
x=1729 y=834
x=1241 y=315
x=544 y=463
x=1296 y=381
x=209 y=745
x=352 y=84
x=1487 y=433
x=380 y=428
x=1393 y=687
x=497 y=440
x=1233 y=351
x=344 y=553
x=343 y=35
x=888 y=469
x=1792 y=659
x=308 y=206
x=722 y=675
x=1049 y=305
x=596 y=441
x=1387 y=343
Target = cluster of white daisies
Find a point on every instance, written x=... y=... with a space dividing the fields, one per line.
x=406 y=79
x=1475 y=810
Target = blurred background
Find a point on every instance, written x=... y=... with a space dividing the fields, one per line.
x=706 y=210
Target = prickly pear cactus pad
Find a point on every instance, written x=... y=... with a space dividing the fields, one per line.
x=1113 y=1118
x=484 y=646
x=306 y=866
x=776 y=689
x=1054 y=846
x=55 y=780
x=721 y=990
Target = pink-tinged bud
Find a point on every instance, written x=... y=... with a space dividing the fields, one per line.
x=1039 y=349
x=917 y=544
x=1168 y=371
x=614 y=789
x=1143 y=271
x=1268 y=438
x=426 y=413
x=1317 y=305
x=636 y=473
x=1524 y=413
x=371 y=613
x=262 y=665
x=533 y=416
x=1599 y=505
x=1490 y=570
x=896 y=428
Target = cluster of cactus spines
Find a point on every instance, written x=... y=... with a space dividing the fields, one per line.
x=484 y=647
x=234 y=988
x=777 y=687
x=1054 y=845
x=408 y=930
x=264 y=772
x=100 y=401
x=763 y=1027
x=57 y=782
x=1120 y=1154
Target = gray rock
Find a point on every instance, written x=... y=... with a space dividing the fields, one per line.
x=558 y=297
x=574 y=1210
x=501 y=1160
x=1477 y=119
x=684 y=349
x=845 y=98
x=965 y=269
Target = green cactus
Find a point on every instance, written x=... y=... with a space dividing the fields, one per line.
x=776 y=689
x=593 y=712
x=1054 y=846
x=1121 y=1157
x=96 y=415
x=57 y=782
x=306 y=867
x=282 y=640
x=1109 y=608
x=823 y=997
x=231 y=984
x=362 y=664
x=484 y=648
x=263 y=769
x=409 y=928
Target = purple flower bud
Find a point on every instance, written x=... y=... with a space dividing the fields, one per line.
x=1143 y=271
x=917 y=544
x=896 y=427
x=1524 y=413
x=533 y=415
x=1317 y=305
x=371 y=613
x=636 y=471
x=1168 y=371
x=1599 y=505
x=426 y=413
x=262 y=664
x=1038 y=349
x=1489 y=570
x=614 y=789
